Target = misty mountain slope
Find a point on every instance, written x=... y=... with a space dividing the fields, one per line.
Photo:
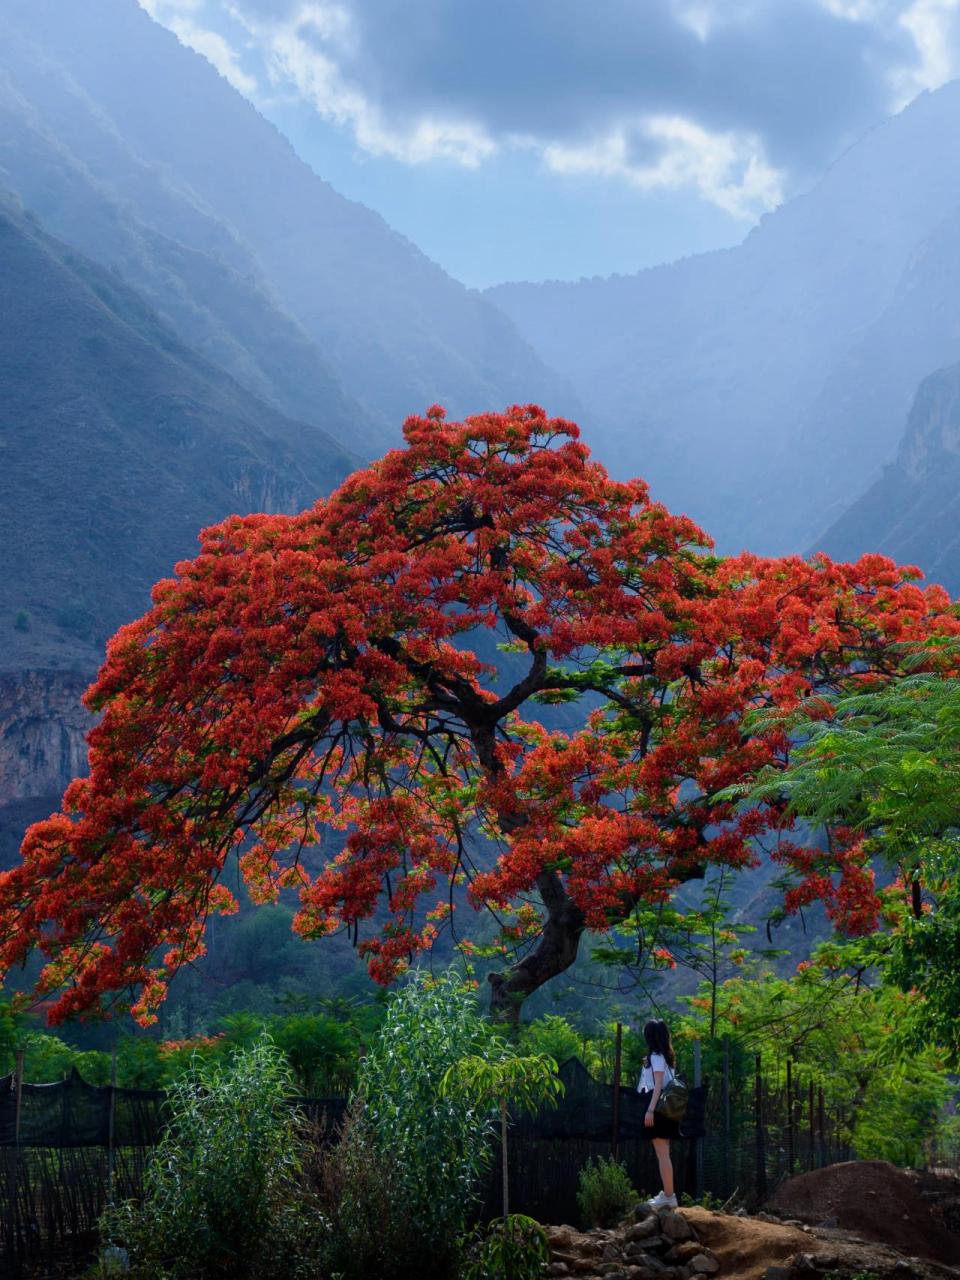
x=71 y=167
x=712 y=376
x=118 y=445
x=913 y=511
x=857 y=419
x=398 y=332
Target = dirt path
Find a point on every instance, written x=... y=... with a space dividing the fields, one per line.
x=746 y=1247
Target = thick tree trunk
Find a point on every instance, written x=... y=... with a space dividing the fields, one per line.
x=555 y=952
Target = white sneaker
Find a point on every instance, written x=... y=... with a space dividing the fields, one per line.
x=662 y=1201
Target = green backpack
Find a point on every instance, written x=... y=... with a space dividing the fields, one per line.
x=673 y=1099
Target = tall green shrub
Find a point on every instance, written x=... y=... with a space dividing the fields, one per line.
x=438 y=1143
x=223 y=1190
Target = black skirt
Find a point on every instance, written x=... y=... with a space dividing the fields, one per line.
x=663 y=1126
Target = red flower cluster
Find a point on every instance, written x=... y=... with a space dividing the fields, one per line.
x=325 y=691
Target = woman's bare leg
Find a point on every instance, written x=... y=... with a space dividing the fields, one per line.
x=662 y=1147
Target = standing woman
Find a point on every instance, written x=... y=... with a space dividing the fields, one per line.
x=659 y=1068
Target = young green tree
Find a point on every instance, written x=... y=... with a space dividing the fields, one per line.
x=439 y=1141
x=701 y=937
x=223 y=1194
x=504 y=1079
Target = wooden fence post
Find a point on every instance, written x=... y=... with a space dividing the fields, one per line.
x=13 y=1172
x=617 y=1059
x=820 y=1119
x=698 y=1141
x=726 y=1117
x=789 y=1118
x=111 y=1122
x=761 y=1178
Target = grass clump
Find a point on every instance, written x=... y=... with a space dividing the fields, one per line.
x=605 y=1193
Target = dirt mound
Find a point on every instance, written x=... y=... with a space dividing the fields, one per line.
x=873 y=1199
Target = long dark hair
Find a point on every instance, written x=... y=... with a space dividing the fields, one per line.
x=657 y=1035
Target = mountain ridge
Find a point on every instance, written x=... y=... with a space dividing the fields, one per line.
x=704 y=374
x=204 y=284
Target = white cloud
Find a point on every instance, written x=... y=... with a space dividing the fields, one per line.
x=696 y=16
x=727 y=169
x=300 y=53
x=362 y=75
x=163 y=10
x=856 y=10
x=934 y=26
x=304 y=53
x=175 y=14
x=216 y=50
x=934 y=30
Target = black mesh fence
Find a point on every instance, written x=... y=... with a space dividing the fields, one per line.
x=546 y=1152
x=72 y=1113
x=67 y=1149
x=70 y=1148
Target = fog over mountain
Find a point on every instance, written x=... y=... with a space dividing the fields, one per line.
x=119 y=445
x=73 y=168
x=133 y=147
x=762 y=388
x=192 y=322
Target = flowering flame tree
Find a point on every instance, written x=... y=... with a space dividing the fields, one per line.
x=337 y=671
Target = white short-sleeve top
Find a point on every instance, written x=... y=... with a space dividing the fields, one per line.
x=658 y=1062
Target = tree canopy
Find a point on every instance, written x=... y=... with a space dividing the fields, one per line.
x=350 y=698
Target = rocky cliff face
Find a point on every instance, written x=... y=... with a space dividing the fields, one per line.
x=932 y=437
x=42 y=733
x=913 y=511
x=42 y=747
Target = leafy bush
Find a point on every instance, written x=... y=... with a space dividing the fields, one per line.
x=224 y=1194
x=361 y=1193
x=706 y=1200
x=553 y=1034
x=439 y=1142
x=513 y=1248
x=843 y=1036
x=605 y=1193
x=321 y=1050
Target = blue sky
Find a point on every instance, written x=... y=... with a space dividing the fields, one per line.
x=538 y=139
